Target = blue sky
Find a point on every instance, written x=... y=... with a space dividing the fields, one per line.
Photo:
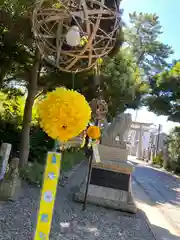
x=169 y=16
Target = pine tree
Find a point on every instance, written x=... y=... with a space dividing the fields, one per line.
x=142 y=37
x=164 y=98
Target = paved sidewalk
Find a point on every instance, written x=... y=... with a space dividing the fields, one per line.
x=163 y=189
x=160 y=227
x=17 y=219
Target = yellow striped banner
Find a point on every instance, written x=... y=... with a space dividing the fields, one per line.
x=48 y=195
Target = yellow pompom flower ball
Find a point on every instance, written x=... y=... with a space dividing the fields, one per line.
x=94 y=132
x=64 y=114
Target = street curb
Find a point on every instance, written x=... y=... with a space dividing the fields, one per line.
x=169 y=220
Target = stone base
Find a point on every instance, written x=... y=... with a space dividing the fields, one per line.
x=10 y=191
x=110 y=182
x=110 y=186
x=107 y=197
x=112 y=153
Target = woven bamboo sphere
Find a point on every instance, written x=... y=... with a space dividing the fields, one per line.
x=73 y=34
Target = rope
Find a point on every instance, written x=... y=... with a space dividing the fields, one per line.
x=73 y=78
x=97 y=73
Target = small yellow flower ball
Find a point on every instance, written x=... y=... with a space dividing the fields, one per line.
x=64 y=114
x=94 y=132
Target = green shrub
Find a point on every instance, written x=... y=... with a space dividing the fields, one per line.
x=173 y=143
x=40 y=144
x=10 y=133
x=158 y=159
x=33 y=173
x=70 y=159
x=174 y=167
x=11 y=114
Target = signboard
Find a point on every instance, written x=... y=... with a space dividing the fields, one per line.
x=96 y=152
x=48 y=195
x=110 y=179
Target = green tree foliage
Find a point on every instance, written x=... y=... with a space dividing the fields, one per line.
x=10 y=119
x=174 y=149
x=12 y=102
x=122 y=83
x=23 y=62
x=164 y=98
x=11 y=107
x=142 y=37
x=15 y=40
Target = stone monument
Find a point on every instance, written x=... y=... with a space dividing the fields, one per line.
x=110 y=182
x=111 y=148
x=119 y=127
x=10 y=185
x=5 y=151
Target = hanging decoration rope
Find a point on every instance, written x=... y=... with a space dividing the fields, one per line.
x=61 y=119
x=73 y=34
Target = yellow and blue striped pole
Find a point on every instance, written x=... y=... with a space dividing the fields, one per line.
x=48 y=195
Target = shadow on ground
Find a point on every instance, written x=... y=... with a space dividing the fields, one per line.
x=18 y=219
x=160 y=199
x=162 y=186
x=163 y=234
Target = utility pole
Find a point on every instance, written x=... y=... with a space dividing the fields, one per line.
x=158 y=138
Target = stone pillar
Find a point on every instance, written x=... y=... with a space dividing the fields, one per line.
x=11 y=185
x=139 y=150
x=4 y=157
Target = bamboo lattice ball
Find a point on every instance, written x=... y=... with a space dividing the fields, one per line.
x=94 y=23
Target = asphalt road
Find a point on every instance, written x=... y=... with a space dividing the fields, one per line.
x=163 y=189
